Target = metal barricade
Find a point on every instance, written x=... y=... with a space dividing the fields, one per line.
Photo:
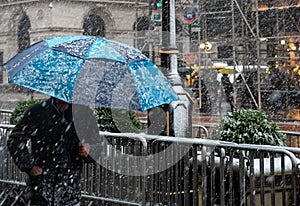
x=5 y=116
x=222 y=173
x=200 y=131
x=197 y=172
x=12 y=185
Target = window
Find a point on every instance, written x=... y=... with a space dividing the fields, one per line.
x=94 y=25
x=23 y=33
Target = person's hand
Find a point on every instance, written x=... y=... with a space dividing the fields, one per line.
x=84 y=149
x=36 y=170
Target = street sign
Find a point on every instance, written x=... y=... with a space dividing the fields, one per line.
x=194 y=25
x=189 y=16
x=157 y=23
x=157 y=17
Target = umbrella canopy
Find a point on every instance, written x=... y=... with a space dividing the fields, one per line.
x=91 y=71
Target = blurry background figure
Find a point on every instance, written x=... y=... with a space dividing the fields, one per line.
x=276 y=100
x=228 y=89
x=205 y=99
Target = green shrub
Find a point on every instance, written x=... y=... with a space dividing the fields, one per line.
x=20 y=109
x=106 y=120
x=250 y=127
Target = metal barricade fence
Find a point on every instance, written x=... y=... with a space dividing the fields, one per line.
x=5 y=116
x=12 y=181
x=198 y=172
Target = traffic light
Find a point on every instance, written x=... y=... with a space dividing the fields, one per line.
x=157 y=4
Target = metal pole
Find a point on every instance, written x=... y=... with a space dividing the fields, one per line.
x=258 y=57
x=181 y=110
x=233 y=52
x=165 y=37
x=173 y=40
x=173 y=74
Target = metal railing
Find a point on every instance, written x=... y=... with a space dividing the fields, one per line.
x=208 y=173
x=5 y=116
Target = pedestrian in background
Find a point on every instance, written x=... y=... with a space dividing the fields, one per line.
x=228 y=89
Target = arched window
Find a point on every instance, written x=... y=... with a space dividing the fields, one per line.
x=94 y=25
x=23 y=33
x=142 y=23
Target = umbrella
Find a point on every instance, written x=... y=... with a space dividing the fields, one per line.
x=91 y=71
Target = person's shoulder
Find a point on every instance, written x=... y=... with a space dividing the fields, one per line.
x=39 y=107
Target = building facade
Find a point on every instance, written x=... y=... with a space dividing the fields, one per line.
x=240 y=32
x=24 y=22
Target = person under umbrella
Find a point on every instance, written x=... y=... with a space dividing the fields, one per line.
x=55 y=159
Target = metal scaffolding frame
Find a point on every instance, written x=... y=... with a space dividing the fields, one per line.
x=258 y=32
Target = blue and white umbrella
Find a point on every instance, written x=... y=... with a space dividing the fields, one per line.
x=91 y=71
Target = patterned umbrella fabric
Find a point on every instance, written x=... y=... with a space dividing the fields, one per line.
x=91 y=71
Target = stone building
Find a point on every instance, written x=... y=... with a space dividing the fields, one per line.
x=24 y=22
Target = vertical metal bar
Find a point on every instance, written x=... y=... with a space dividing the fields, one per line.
x=169 y=179
x=150 y=178
x=163 y=178
x=283 y=180
x=129 y=186
x=272 y=179
x=195 y=176
x=113 y=174
x=176 y=178
x=230 y=191
x=144 y=147
x=222 y=179
x=242 y=178
x=294 y=183
x=262 y=178
x=157 y=183
x=204 y=176
x=213 y=178
x=186 y=179
x=252 y=178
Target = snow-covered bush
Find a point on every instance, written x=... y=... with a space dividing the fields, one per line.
x=250 y=127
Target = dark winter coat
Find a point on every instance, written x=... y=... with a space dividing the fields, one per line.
x=228 y=89
x=54 y=148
